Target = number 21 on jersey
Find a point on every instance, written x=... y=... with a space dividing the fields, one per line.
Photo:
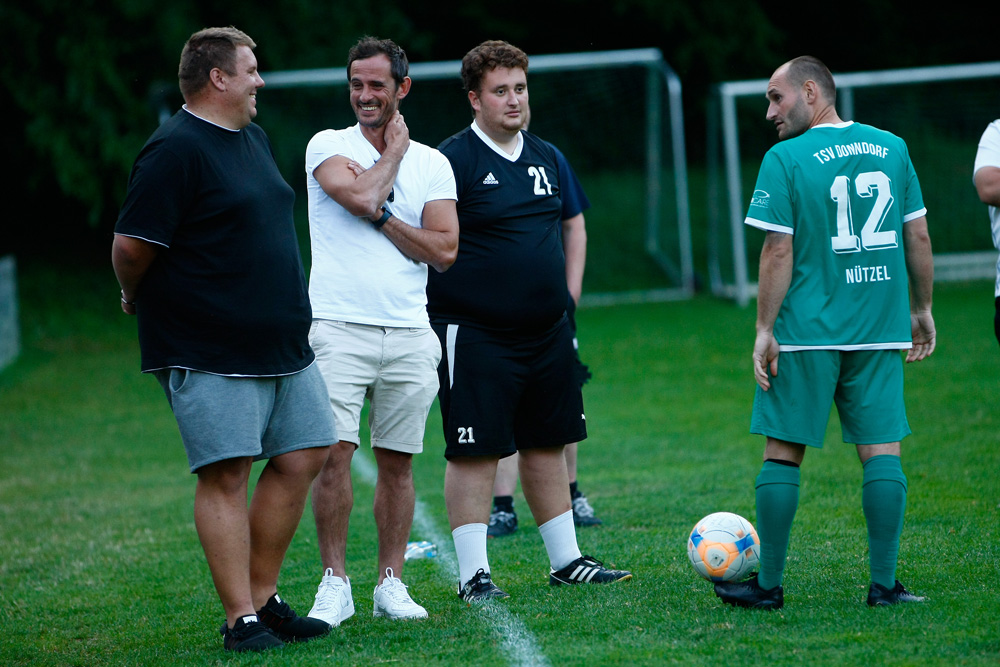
x=538 y=173
x=867 y=184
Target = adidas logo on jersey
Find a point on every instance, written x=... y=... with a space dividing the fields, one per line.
x=490 y=179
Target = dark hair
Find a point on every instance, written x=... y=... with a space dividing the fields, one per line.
x=806 y=68
x=205 y=50
x=368 y=47
x=487 y=57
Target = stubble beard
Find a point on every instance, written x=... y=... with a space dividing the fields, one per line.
x=380 y=121
x=796 y=121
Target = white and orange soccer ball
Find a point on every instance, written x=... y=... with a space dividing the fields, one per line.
x=723 y=547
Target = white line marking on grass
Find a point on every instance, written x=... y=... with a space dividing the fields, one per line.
x=517 y=641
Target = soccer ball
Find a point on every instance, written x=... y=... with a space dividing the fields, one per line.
x=723 y=547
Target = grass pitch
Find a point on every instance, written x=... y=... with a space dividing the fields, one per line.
x=100 y=563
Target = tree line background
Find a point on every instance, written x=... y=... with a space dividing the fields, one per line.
x=80 y=78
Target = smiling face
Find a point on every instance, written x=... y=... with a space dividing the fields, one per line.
x=375 y=96
x=501 y=102
x=241 y=87
x=787 y=108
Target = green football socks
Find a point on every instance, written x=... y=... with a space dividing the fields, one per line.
x=777 y=500
x=883 y=498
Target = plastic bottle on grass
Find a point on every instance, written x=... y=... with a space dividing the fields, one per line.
x=422 y=549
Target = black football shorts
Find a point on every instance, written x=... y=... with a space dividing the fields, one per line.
x=497 y=389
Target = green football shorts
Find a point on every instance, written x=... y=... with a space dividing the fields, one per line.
x=866 y=385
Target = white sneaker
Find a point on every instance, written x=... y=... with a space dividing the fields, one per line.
x=392 y=600
x=334 y=603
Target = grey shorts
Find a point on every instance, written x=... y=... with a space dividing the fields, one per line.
x=222 y=417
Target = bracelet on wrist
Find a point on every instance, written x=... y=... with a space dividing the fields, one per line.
x=386 y=214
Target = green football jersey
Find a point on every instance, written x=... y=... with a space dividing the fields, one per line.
x=844 y=192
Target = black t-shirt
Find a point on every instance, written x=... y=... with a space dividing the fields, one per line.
x=510 y=274
x=226 y=293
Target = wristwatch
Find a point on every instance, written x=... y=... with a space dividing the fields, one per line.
x=386 y=214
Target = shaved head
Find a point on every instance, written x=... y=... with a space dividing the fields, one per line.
x=808 y=68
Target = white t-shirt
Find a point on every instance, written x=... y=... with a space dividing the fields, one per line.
x=357 y=274
x=989 y=156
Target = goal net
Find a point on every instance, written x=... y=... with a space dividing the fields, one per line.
x=616 y=116
x=940 y=112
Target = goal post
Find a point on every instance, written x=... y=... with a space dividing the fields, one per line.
x=941 y=138
x=632 y=161
x=10 y=324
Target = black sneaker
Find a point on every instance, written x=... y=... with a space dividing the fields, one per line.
x=288 y=625
x=480 y=588
x=248 y=634
x=501 y=523
x=749 y=594
x=587 y=570
x=880 y=596
x=583 y=513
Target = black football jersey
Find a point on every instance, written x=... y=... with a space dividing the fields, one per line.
x=510 y=274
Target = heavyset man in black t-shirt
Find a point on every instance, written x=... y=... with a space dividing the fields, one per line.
x=507 y=372
x=206 y=254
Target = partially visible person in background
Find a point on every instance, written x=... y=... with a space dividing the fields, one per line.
x=986 y=176
x=503 y=517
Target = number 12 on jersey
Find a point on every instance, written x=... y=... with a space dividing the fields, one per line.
x=868 y=184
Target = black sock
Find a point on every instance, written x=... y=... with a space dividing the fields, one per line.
x=573 y=490
x=503 y=503
x=783 y=462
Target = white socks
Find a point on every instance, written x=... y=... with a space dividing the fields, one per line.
x=470 y=547
x=559 y=536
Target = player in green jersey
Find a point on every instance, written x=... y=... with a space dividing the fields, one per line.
x=845 y=283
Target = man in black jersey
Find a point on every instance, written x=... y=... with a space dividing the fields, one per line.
x=206 y=255
x=507 y=372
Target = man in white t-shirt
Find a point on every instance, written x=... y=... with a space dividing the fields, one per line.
x=986 y=175
x=381 y=209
